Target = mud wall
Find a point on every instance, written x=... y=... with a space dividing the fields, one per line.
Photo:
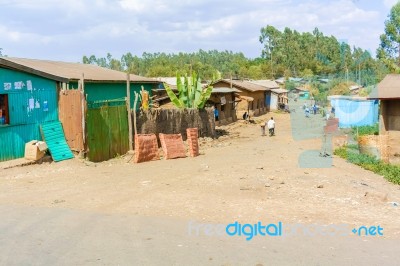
x=174 y=121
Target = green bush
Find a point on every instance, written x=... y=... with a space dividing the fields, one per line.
x=365 y=130
x=390 y=172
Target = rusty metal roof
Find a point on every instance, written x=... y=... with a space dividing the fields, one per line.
x=242 y=84
x=66 y=71
x=388 y=88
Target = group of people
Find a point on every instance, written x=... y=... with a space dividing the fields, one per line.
x=314 y=110
x=271 y=127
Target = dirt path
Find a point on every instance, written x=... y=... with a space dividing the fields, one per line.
x=242 y=177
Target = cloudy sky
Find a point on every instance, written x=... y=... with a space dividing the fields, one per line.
x=68 y=29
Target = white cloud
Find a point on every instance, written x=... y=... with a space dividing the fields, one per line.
x=99 y=26
x=390 y=3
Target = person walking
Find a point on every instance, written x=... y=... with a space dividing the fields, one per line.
x=271 y=127
x=263 y=129
x=307 y=112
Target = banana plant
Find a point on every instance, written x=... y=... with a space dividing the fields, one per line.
x=190 y=92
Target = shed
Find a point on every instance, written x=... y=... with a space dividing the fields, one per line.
x=26 y=101
x=388 y=92
x=354 y=111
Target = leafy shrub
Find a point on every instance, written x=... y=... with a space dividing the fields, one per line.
x=390 y=172
x=366 y=130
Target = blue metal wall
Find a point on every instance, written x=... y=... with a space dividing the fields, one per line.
x=32 y=100
x=355 y=112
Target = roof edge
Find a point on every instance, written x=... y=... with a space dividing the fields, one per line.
x=11 y=65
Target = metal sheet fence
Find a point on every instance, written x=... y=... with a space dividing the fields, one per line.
x=107 y=131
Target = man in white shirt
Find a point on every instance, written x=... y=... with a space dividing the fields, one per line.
x=271 y=126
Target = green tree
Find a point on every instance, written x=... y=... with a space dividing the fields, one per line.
x=389 y=49
x=270 y=38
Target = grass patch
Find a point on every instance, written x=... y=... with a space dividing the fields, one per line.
x=365 y=130
x=390 y=172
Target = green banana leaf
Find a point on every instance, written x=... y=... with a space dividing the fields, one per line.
x=205 y=95
x=174 y=99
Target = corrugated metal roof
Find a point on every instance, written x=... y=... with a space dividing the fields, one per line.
x=388 y=88
x=345 y=97
x=301 y=89
x=66 y=71
x=295 y=79
x=224 y=90
x=270 y=84
x=279 y=91
x=243 y=84
x=354 y=87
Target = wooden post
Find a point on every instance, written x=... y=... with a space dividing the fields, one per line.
x=134 y=112
x=128 y=104
x=383 y=123
x=83 y=107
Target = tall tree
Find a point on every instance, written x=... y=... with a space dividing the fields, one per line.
x=270 y=38
x=389 y=49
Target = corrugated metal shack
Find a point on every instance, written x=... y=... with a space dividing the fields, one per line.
x=36 y=91
x=354 y=111
x=27 y=99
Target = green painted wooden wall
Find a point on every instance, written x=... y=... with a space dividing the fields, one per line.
x=111 y=91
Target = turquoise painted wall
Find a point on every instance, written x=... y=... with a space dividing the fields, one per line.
x=32 y=101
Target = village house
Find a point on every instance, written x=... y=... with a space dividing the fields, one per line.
x=253 y=96
x=276 y=97
x=34 y=92
x=279 y=99
x=388 y=92
x=223 y=99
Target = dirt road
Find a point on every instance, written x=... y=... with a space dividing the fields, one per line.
x=117 y=212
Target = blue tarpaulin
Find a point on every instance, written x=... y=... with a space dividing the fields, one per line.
x=354 y=111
